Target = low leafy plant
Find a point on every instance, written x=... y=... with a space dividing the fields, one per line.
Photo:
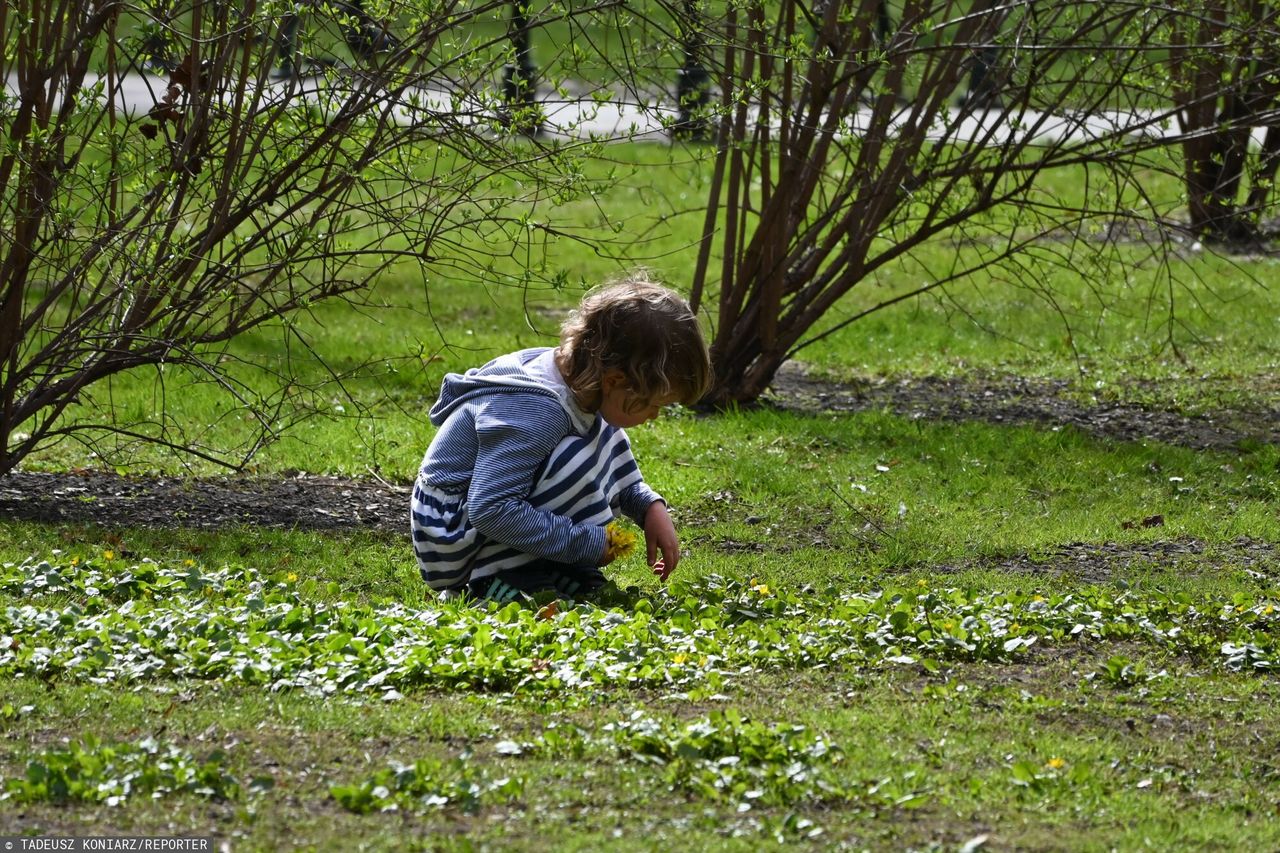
x=725 y=757
x=122 y=623
x=424 y=785
x=1249 y=655
x=1040 y=777
x=92 y=771
x=107 y=580
x=1119 y=671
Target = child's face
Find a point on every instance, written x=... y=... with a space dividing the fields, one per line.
x=622 y=408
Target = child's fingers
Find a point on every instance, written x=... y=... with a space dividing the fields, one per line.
x=661 y=569
x=670 y=558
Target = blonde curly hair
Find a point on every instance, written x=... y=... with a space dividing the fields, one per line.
x=644 y=330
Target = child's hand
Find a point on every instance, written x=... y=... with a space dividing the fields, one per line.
x=618 y=542
x=660 y=535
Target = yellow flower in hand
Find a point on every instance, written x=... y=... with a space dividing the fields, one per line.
x=620 y=540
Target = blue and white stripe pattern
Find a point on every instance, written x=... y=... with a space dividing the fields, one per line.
x=443 y=540
x=584 y=480
x=516 y=475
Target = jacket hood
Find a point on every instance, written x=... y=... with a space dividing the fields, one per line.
x=526 y=371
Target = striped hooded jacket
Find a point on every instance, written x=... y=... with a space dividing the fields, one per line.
x=516 y=473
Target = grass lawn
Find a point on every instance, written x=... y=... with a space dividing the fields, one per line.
x=888 y=633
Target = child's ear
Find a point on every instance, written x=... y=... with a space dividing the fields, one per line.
x=611 y=380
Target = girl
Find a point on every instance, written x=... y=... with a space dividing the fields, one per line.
x=531 y=460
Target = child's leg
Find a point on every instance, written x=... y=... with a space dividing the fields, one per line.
x=510 y=584
x=579 y=580
x=540 y=576
x=444 y=542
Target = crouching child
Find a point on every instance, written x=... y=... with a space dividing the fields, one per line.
x=531 y=459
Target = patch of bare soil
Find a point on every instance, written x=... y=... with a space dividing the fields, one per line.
x=302 y=501
x=1099 y=563
x=1019 y=400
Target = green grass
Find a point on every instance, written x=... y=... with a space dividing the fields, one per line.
x=787 y=718
x=908 y=633
x=1098 y=738
x=882 y=492
x=1192 y=335
x=597 y=47
x=932 y=744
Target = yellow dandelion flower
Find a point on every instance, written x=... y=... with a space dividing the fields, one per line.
x=761 y=588
x=1269 y=609
x=679 y=659
x=620 y=541
x=75 y=561
x=1055 y=763
x=108 y=555
x=920 y=583
x=188 y=563
x=292 y=577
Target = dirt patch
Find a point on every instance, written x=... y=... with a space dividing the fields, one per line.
x=1021 y=401
x=1100 y=563
x=302 y=501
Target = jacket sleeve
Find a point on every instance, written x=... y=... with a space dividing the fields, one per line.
x=515 y=433
x=634 y=501
x=636 y=497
